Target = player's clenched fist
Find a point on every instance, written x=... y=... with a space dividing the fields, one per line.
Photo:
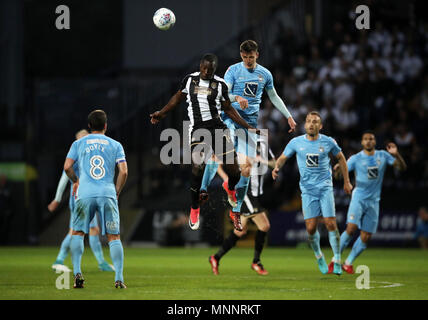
x=156 y=117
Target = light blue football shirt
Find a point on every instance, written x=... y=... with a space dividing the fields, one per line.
x=369 y=172
x=248 y=84
x=313 y=161
x=97 y=156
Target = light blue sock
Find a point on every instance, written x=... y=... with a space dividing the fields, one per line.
x=345 y=238
x=63 y=251
x=116 y=254
x=334 y=239
x=97 y=249
x=241 y=190
x=209 y=174
x=76 y=246
x=358 y=247
x=314 y=241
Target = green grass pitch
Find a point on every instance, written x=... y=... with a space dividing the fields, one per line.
x=185 y=274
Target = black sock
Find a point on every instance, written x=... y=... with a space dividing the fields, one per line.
x=258 y=245
x=228 y=244
x=195 y=184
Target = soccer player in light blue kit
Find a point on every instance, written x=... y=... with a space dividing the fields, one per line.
x=369 y=166
x=312 y=152
x=97 y=156
x=246 y=81
x=94 y=240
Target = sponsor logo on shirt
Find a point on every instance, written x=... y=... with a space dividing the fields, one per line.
x=312 y=160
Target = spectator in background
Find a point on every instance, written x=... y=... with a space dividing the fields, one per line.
x=422 y=228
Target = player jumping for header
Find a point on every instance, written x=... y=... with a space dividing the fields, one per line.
x=246 y=81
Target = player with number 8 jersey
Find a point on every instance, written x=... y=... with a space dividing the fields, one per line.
x=95 y=191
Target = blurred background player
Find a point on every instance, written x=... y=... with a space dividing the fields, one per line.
x=312 y=151
x=206 y=95
x=246 y=81
x=94 y=240
x=97 y=157
x=422 y=228
x=369 y=167
x=251 y=209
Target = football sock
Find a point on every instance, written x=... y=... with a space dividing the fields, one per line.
x=334 y=238
x=63 y=251
x=228 y=244
x=314 y=241
x=195 y=184
x=241 y=191
x=116 y=254
x=358 y=247
x=209 y=174
x=345 y=238
x=76 y=247
x=97 y=250
x=258 y=245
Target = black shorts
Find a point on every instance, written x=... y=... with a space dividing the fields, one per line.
x=212 y=137
x=251 y=206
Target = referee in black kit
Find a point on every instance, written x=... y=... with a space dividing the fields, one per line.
x=207 y=95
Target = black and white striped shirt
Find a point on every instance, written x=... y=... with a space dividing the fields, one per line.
x=204 y=97
x=256 y=180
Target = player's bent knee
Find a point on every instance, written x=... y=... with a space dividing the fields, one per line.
x=112 y=237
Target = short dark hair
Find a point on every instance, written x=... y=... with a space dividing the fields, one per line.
x=368 y=132
x=210 y=57
x=314 y=113
x=97 y=120
x=248 y=46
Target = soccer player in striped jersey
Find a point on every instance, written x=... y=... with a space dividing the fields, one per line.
x=206 y=95
x=94 y=240
x=247 y=80
x=95 y=191
x=251 y=210
x=369 y=166
x=312 y=151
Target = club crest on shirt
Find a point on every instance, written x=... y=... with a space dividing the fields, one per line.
x=261 y=78
x=321 y=149
x=378 y=161
x=214 y=85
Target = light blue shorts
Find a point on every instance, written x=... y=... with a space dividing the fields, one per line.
x=72 y=205
x=364 y=213
x=245 y=142
x=107 y=209
x=320 y=204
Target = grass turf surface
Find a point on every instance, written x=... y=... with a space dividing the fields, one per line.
x=185 y=274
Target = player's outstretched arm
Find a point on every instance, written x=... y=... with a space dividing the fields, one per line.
x=62 y=184
x=347 y=186
x=175 y=100
x=399 y=162
x=121 y=177
x=280 y=105
x=278 y=165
